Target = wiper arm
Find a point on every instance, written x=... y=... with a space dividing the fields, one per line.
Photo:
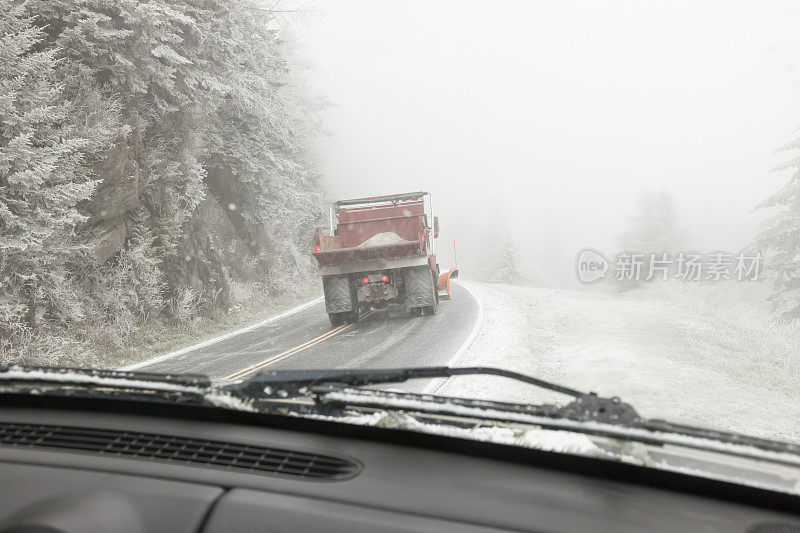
x=317 y=384
x=285 y=383
x=14 y=378
x=333 y=390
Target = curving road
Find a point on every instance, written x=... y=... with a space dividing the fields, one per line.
x=306 y=340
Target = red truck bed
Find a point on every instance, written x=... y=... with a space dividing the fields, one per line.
x=403 y=226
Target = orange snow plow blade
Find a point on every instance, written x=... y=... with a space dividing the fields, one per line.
x=444 y=283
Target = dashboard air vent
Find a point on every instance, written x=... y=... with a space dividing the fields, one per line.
x=176 y=449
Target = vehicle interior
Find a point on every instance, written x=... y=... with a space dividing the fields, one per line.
x=122 y=466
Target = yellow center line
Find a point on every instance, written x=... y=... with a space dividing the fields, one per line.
x=258 y=365
x=288 y=353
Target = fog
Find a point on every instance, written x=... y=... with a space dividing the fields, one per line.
x=547 y=119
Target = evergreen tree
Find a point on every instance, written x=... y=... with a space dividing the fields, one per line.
x=652 y=232
x=506 y=270
x=779 y=239
x=147 y=148
x=47 y=146
x=489 y=249
x=654 y=229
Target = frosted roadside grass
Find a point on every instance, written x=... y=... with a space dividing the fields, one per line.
x=703 y=354
x=250 y=306
x=749 y=361
x=129 y=341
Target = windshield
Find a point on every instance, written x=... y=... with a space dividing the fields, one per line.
x=602 y=195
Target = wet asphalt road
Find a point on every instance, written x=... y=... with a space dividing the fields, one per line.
x=306 y=340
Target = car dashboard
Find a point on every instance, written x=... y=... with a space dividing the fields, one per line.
x=76 y=468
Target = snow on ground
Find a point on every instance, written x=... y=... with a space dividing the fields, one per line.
x=675 y=355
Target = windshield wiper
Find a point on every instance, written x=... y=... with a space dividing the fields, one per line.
x=105 y=383
x=334 y=392
x=291 y=381
x=282 y=384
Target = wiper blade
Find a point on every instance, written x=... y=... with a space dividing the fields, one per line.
x=284 y=383
x=14 y=378
x=590 y=415
x=281 y=384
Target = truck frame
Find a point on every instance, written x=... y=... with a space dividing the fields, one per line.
x=380 y=252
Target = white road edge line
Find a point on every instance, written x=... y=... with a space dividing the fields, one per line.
x=215 y=340
x=437 y=383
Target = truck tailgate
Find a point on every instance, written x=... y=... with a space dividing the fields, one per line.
x=369 y=253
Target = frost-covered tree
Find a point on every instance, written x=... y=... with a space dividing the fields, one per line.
x=506 y=270
x=153 y=153
x=779 y=239
x=654 y=228
x=484 y=260
x=216 y=111
x=47 y=146
x=651 y=232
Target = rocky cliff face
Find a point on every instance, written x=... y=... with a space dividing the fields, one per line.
x=117 y=197
x=165 y=173
x=215 y=237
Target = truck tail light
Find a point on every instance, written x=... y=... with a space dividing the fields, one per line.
x=384 y=278
x=365 y=280
x=318 y=247
x=422 y=237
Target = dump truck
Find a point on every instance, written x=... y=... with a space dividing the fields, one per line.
x=379 y=251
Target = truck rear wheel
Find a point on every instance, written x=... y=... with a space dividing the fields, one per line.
x=420 y=290
x=353 y=316
x=431 y=309
x=336 y=319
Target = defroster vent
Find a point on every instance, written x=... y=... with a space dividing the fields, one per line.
x=176 y=449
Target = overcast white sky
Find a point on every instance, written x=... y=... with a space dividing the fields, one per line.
x=560 y=112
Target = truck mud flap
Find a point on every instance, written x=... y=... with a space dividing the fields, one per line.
x=419 y=286
x=338 y=298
